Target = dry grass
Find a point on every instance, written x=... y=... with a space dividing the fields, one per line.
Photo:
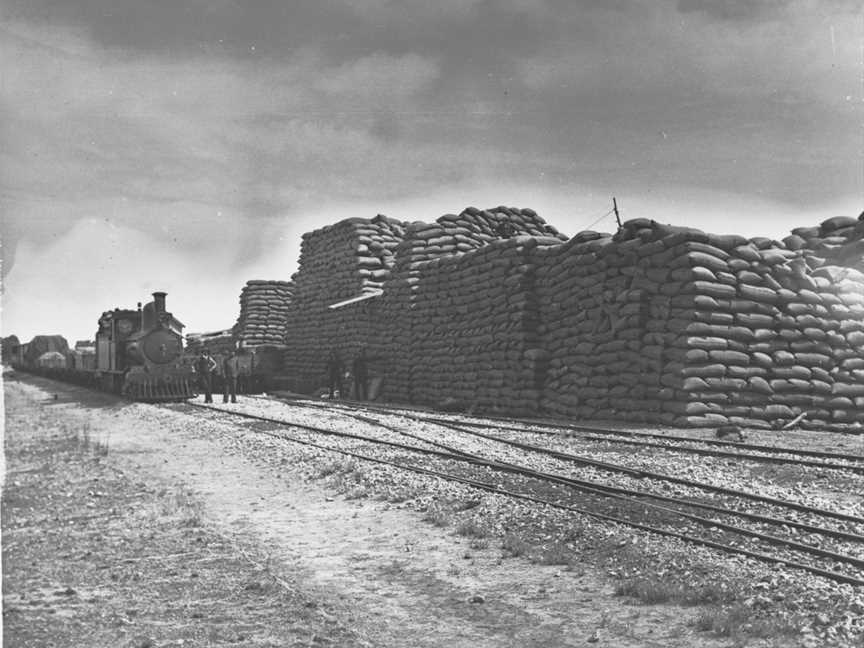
x=402 y=494
x=514 y=545
x=345 y=477
x=470 y=529
x=554 y=554
x=337 y=467
x=437 y=517
x=741 y=623
x=654 y=591
x=94 y=558
x=88 y=443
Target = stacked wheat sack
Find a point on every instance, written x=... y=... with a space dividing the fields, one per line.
x=838 y=240
x=264 y=308
x=383 y=257
x=600 y=324
x=656 y=323
x=337 y=263
x=676 y=325
x=418 y=360
x=474 y=329
x=470 y=230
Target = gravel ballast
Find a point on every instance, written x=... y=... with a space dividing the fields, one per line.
x=498 y=556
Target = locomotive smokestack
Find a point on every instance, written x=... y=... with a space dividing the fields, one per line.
x=159 y=302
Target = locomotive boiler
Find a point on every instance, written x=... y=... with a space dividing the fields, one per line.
x=139 y=353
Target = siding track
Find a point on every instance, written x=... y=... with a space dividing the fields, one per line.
x=606 y=502
x=766 y=453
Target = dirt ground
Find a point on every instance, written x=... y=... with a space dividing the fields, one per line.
x=130 y=525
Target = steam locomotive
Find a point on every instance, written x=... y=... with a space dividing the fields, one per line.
x=138 y=354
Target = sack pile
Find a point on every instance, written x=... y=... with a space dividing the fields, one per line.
x=339 y=262
x=470 y=230
x=675 y=325
x=596 y=295
x=450 y=236
x=263 y=311
x=473 y=330
x=839 y=240
x=656 y=323
x=382 y=256
x=789 y=341
x=346 y=259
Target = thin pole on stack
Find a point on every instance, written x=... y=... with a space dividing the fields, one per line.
x=615 y=209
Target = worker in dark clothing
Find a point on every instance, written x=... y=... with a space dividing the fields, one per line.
x=361 y=375
x=204 y=366
x=230 y=370
x=334 y=373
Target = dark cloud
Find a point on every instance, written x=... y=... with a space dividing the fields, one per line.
x=481 y=31
x=734 y=9
x=755 y=11
x=168 y=103
x=183 y=27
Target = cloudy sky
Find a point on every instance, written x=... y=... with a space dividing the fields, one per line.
x=185 y=145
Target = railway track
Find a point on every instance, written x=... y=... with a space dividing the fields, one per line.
x=766 y=453
x=629 y=508
x=601 y=501
x=629 y=500
x=640 y=474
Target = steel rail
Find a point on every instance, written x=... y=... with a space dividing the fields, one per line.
x=552 y=478
x=628 y=433
x=734 y=455
x=756 y=517
x=831 y=575
x=756 y=447
x=673 y=439
x=637 y=473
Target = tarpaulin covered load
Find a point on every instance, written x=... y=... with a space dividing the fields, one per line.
x=44 y=343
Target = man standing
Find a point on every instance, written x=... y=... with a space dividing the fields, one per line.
x=230 y=370
x=334 y=373
x=361 y=374
x=204 y=366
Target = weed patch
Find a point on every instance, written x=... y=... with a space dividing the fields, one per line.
x=471 y=529
x=403 y=495
x=437 y=517
x=652 y=591
x=554 y=555
x=336 y=468
x=739 y=622
x=514 y=545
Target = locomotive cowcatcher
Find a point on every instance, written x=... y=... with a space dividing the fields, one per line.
x=139 y=353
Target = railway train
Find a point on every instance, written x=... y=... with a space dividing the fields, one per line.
x=138 y=353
